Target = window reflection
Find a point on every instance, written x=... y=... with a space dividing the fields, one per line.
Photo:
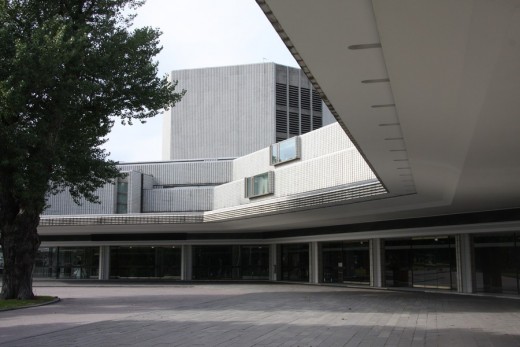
x=285 y=151
x=258 y=185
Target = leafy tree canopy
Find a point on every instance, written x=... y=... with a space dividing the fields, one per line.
x=68 y=69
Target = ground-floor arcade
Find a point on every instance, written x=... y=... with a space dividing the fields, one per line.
x=468 y=263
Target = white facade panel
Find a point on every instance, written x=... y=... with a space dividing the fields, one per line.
x=134 y=192
x=62 y=203
x=230 y=194
x=252 y=164
x=226 y=112
x=185 y=173
x=324 y=141
x=183 y=199
x=340 y=168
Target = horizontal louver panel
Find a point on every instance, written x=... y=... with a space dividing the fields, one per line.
x=281 y=94
x=306 y=123
x=293 y=97
x=305 y=99
x=316 y=101
x=294 y=126
x=281 y=121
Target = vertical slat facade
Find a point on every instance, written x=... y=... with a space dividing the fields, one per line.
x=226 y=112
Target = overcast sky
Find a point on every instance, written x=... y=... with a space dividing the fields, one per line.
x=196 y=34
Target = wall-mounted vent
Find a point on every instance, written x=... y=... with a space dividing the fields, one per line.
x=306 y=123
x=316 y=122
x=294 y=123
x=281 y=121
x=316 y=102
x=294 y=97
x=305 y=99
x=281 y=94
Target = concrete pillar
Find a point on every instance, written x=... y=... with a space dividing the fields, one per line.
x=104 y=263
x=376 y=263
x=313 y=262
x=186 y=263
x=273 y=263
x=465 y=266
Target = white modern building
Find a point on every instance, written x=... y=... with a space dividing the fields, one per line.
x=231 y=111
x=428 y=94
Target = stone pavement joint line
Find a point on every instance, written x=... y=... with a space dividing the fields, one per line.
x=259 y=315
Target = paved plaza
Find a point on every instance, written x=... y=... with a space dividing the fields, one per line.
x=258 y=315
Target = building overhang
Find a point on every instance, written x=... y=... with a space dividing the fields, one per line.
x=428 y=91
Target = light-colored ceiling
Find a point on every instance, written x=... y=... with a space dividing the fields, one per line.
x=453 y=136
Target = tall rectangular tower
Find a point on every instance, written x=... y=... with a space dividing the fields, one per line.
x=232 y=111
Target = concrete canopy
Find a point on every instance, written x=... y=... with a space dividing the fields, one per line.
x=428 y=90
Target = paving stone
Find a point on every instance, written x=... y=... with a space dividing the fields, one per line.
x=259 y=315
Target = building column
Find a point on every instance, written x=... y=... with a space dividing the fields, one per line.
x=376 y=263
x=465 y=266
x=186 y=263
x=313 y=262
x=104 y=263
x=273 y=263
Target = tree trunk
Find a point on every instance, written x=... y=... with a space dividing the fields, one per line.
x=20 y=242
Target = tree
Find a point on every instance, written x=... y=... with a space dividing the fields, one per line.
x=68 y=69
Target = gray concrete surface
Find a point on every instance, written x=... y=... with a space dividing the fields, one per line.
x=258 y=315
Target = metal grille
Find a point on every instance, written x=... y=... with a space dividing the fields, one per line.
x=294 y=123
x=281 y=94
x=316 y=122
x=293 y=97
x=316 y=102
x=306 y=123
x=305 y=99
x=281 y=121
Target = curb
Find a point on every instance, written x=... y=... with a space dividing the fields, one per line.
x=56 y=299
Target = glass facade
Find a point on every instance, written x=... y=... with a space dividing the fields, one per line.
x=497 y=263
x=421 y=263
x=346 y=262
x=295 y=262
x=145 y=262
x=67 y=263
x=230 y=262
x=428 y=262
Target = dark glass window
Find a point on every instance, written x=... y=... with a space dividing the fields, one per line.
x=295 y=262
x=346 y=262
x=497 y=263
x=67 y=262
x=230 y=262
x=148 y=261
x=421 y=262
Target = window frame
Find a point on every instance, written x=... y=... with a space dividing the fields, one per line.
x=249 y=185
x=275 y=148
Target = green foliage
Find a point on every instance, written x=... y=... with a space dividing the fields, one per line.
x=16 y=303
x=68 y=69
